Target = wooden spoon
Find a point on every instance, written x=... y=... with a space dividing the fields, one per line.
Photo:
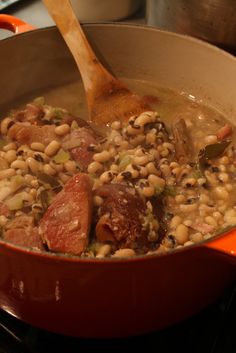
x=108 y=98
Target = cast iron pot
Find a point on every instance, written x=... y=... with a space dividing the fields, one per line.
x=120 y=297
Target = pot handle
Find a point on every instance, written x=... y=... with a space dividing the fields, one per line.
x=225 y=245
x=13 y=24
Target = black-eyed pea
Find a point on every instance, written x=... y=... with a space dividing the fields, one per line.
x=230 y=213
x=97 y=200
x=101 y=157
x=165 y=152
x=37 y=146
x=180 y=198
x=181 y=234
x=63 y=177
x=3 y=163
x=210 y=139
x=224 y=160
x=196 y=237
x=188 y=243
x=174 y=165
x=143 y=172
x=203 y=198
x=201 y=181
x=106 y=177
x=47 y=169
x=154 y=153
x=103 y=251
x=52 y=148
x=141 y=160
x=156 y=181
x=34 y=165
x=94 y=167
x=114 y=168
x=3 y=221
x=188 y=208
x=175 y=221
x=224 y=177
x=145 y=118
x=221 y=193
x=211 y=221
x=62 y=130
x=70 y=166
x=150 y=138
x=148 y=191
x=5 y=125
x=58 y=167
x=189 y=182
x=10 y=156
x=217 y=215
x=151 y=168
x=229 y=187
x=116 y=125
x=18 y=164
x=165 y=169
x=7 y=173
x=188 y=222
x=134 y=172
x=134 y=131
x=124 y=253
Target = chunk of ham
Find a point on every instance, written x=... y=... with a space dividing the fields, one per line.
x=22 y=231
x=120 y=217
x=26 y=134
x=81 y=153
x=28 y=237
x=65 y=225
x=32 y=114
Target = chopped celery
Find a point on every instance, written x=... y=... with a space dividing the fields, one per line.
x=74 y=125
x=125 y=160
x=16 y=202
x=61 y=157
x=40 y=101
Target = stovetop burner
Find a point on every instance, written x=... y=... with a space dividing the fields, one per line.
x=211 y=331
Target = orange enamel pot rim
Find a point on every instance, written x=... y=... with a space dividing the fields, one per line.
x=224 y=243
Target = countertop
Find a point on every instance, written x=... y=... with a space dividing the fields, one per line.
x=35 y=13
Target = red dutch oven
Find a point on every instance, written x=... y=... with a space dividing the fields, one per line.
x=118 y=297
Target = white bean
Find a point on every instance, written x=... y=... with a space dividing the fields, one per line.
x=124 y=253
x=52 y=148
x=102 y=157
x=181 y=234
x=7 y=173
x=62 y=130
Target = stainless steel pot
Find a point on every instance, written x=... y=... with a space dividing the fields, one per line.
x=211 y=20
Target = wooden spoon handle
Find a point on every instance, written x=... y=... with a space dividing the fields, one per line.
x=68 y=24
